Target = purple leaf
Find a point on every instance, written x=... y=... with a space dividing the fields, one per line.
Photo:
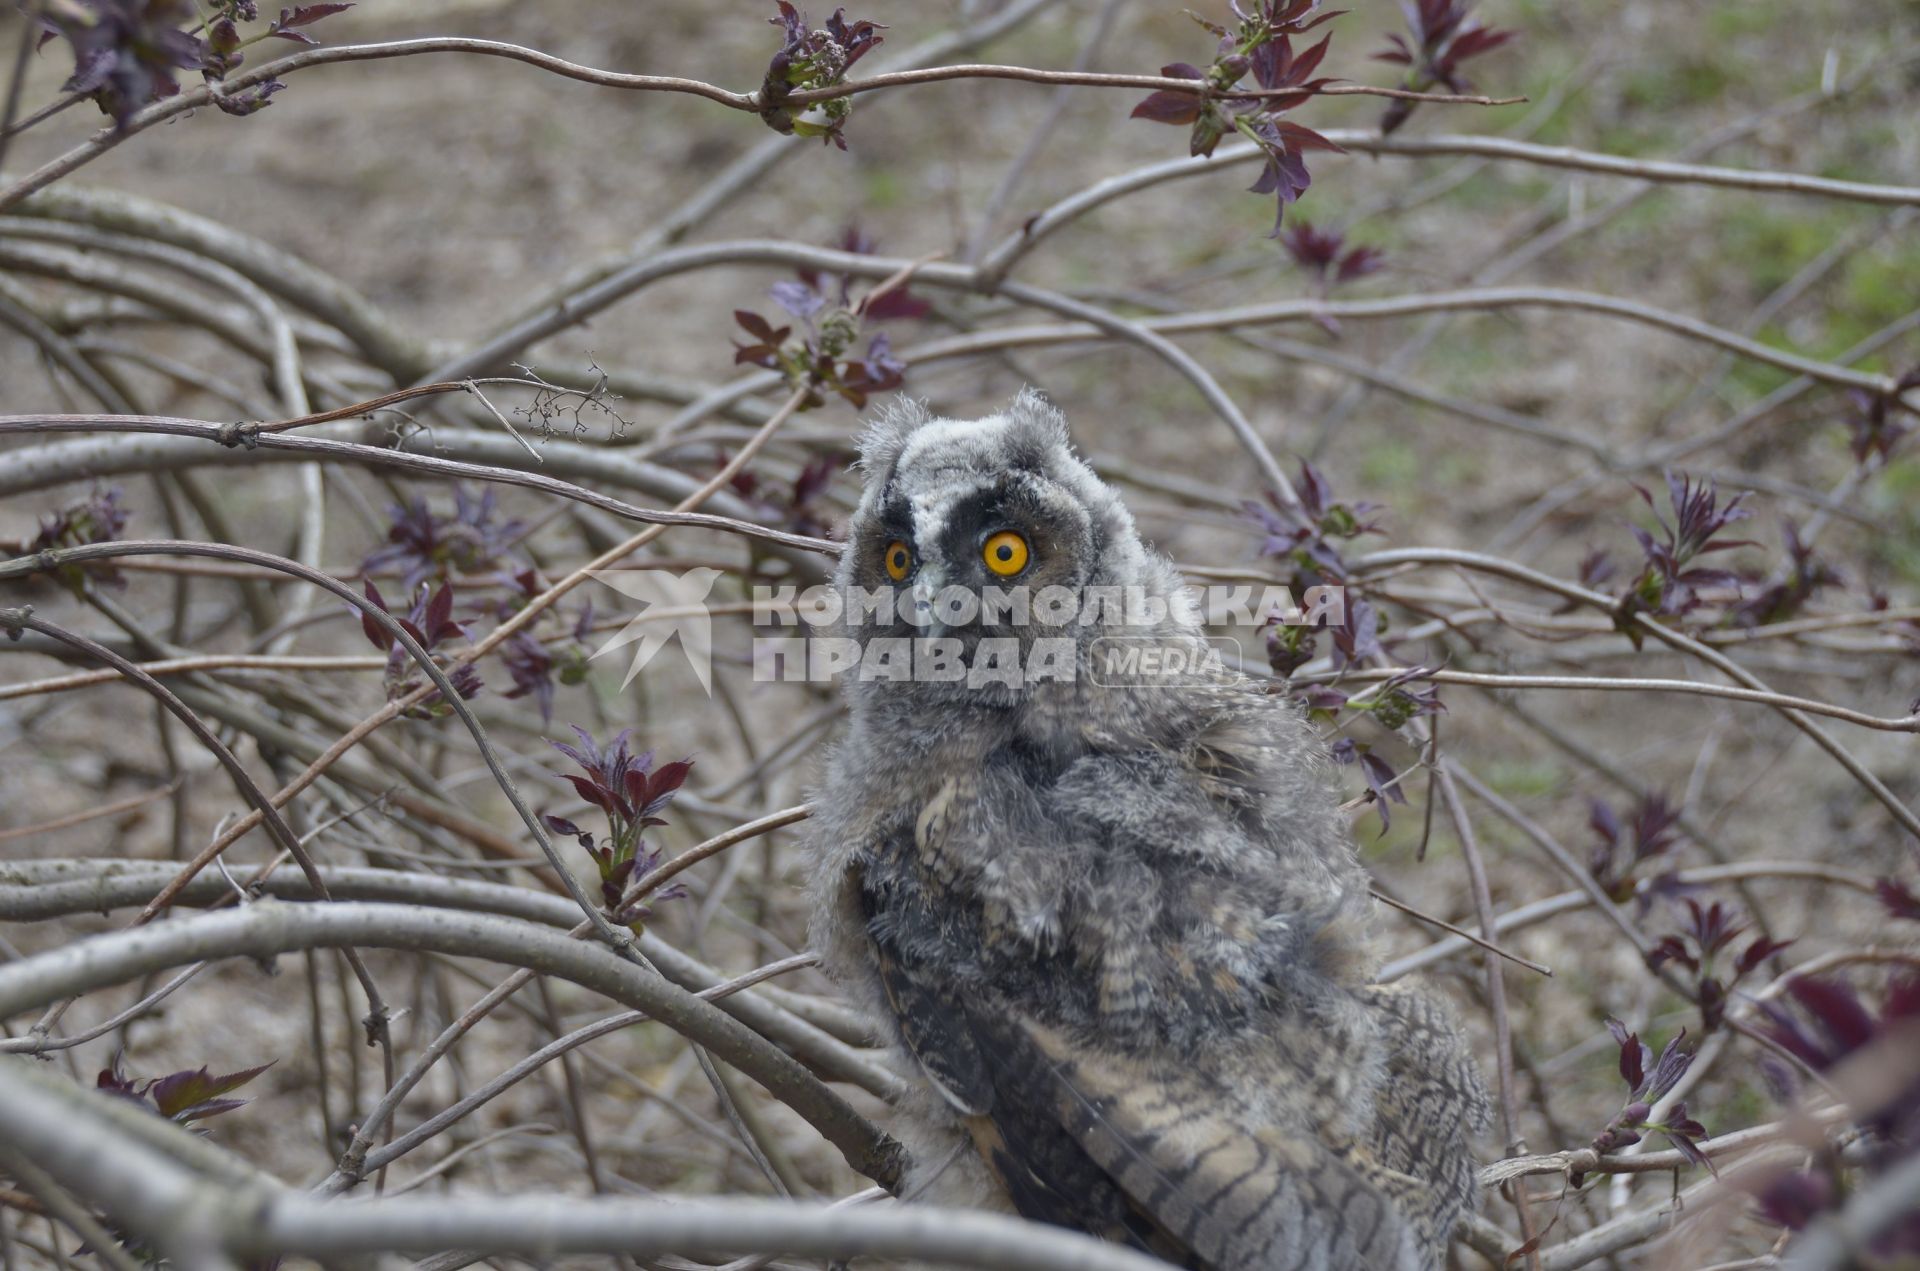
x=591 y=792
x=376 y=633
x=302 y=15
x=797 y=298
x=1633 y=1054
x=193 y=1095
x=1894 y=895
x=1168 y=107
x=759 y=328
x=91 y=71
x=439 y=613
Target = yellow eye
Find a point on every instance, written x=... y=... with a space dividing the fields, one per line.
x=1005 y=553
x=899 y=560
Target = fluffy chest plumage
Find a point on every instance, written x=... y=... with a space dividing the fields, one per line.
x=1100 y=893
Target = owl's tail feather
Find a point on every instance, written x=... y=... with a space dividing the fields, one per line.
x=1233 y=1197
x=1427 y=1110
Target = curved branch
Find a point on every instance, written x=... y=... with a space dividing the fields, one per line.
x=29 y=469
x=1528 y=297
x=203 y=94
x=1628 y=684
x=37 y=890
x=1469 y=299
x=15 y=620
x=46 y=560
x=18 y=313
x=1098 y=79
x=1005 y=254
x=1484 y=563
x=236 y=327
x=266 y=930
x=472 y=1102
x=1660 y=171
x=180 y=666
x=651 y=881
x=617 y=286
x=281 y=352
x=152 y=1182
x=1366 y=142
x=750 y=168
x=548 y=1225
x=268 y=266
x=1566 y=902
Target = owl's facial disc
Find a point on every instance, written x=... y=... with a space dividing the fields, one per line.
x=940 y=530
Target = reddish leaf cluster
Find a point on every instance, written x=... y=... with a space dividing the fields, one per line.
x=836 y=288
x=1832 y=1032
x=632 y=792
x=1620 y=849
x=1897 y=898
x=1710 y=931
x=538 y=665
x=100 y=517
x=823 y=358
x=1443 y=36
x=1648 y=1082
x=1327 y=259
x=811 y=58
x=1670 y=582
x=1391 y=704
x=1781 y=597
x=423 y=543
x=1874 y=420
x=1829 y=1024
x=1261 y=43
x=285 y=26
x=1376 y=772
x=431 y=623
x=1305 y=538
x=126 y=52
x=820 y=359
x=470 y=541
x=794 y=505
x=1325 y=255
x=181 y=1097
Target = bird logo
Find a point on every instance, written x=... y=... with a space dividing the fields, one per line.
x=672 y=604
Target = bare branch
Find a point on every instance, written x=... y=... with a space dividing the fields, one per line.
x=265 y=930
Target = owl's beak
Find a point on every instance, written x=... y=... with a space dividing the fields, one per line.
x=920 y=600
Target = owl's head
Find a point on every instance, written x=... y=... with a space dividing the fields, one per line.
x=987 y=529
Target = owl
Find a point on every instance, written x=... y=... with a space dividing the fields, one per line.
x=1111 y=921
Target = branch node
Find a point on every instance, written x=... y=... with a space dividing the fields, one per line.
x=239 y=433
x=14 y=621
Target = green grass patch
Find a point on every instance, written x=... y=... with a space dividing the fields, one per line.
x=1682 y=82
x=1524 y=778
x=1392 y=467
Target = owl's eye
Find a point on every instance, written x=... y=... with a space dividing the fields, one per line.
x=1005 y=553
x=899 y=560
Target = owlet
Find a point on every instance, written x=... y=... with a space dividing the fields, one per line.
x=1098 y=889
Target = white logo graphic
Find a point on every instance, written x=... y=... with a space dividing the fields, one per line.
x=1147 y=638
x=673 y=604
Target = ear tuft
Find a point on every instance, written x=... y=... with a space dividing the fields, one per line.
x=1039 y=430
x=886 y=436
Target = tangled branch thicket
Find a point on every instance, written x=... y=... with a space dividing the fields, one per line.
x=318 y=815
